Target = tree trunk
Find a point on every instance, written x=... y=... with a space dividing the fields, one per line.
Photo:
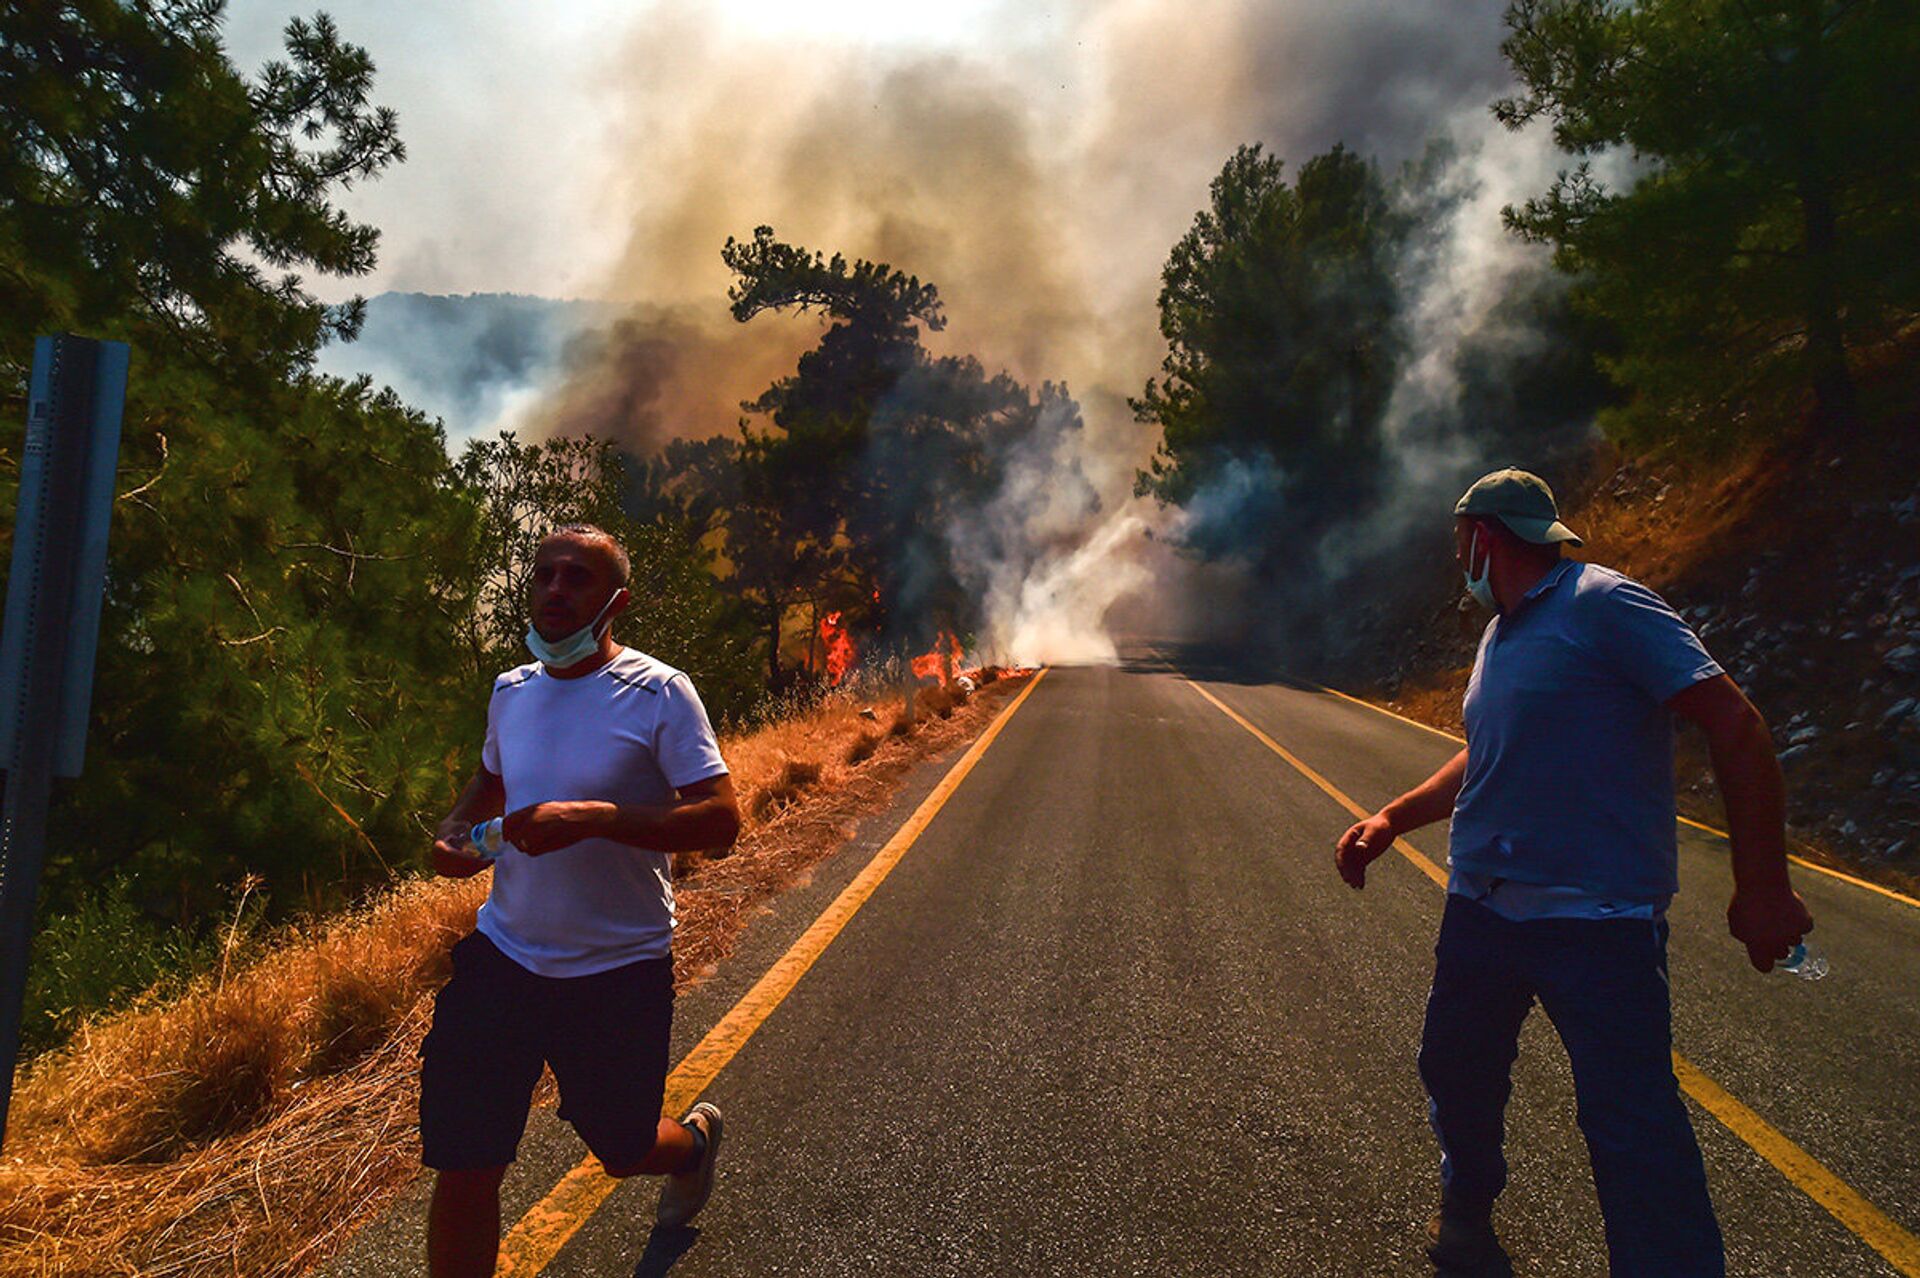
x=775 y=614
x=814 y=665
x=1835 y=403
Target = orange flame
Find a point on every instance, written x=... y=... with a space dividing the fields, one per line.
x=841 y=654
x=941 y=663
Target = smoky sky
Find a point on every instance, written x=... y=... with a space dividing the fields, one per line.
x=1036 y=164
x=1039 y=184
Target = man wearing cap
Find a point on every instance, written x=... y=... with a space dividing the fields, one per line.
x=1563 y=861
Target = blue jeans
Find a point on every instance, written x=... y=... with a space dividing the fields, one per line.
x=1603 y=982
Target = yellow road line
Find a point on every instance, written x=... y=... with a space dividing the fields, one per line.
x=1900 y=1248
x=1401 y=846
x=1860 y=1217
x=1815 y=866
x=538 y=1236
x=1424 y=727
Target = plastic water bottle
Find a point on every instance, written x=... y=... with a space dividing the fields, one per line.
x=487 y=840
x=1804 y=961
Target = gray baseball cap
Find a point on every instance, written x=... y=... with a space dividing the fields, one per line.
x=1520 y=500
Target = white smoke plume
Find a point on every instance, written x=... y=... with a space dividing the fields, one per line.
x=1459 y=278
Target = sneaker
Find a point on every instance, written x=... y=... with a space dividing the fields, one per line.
x=1462 y=1245
x=686 y=1193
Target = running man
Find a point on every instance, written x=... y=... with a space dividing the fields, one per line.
x=603 y=762
x=1563 y=861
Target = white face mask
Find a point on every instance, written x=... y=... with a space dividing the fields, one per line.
x=574 y=648
x=1481 y=587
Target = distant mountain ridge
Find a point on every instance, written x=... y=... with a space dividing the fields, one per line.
x=468 y=359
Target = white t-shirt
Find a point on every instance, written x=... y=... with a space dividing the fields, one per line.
x=632 y=732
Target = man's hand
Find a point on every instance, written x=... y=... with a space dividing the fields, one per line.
x=451 y=860
x=548 y=827
x=1769 y=924
x=1359 y=846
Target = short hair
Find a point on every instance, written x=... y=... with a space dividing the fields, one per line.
x=616 y=553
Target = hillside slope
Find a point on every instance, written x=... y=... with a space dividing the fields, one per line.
x=1799 y=567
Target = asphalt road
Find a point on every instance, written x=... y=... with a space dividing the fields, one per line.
x=1115 y=1014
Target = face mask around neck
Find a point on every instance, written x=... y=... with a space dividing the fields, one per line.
x=572 y=649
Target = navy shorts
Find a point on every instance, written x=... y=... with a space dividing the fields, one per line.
x=494 y=1025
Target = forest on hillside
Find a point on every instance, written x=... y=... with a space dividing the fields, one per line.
x=308 y=596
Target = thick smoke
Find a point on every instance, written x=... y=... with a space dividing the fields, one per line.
x=1037 y=170
x=1474 y=323
x=658 y=373
x=478 y=362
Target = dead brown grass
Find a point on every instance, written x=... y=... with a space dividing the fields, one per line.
x=246 y=1127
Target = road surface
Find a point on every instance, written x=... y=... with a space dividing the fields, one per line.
x=1113 y=1013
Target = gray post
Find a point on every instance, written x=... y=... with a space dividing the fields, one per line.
x=52 y=626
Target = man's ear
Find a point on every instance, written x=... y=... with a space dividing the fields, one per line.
x=616 y=604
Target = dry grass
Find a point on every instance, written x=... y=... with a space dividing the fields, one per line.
x=232 y=1130
x=246 y=1127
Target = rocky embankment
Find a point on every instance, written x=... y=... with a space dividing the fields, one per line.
x=1840 y=682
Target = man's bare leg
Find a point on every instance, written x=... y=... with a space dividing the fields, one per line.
x=463 y=1223
x=673 y=1147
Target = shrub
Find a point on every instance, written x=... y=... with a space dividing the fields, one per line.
x=106 y=952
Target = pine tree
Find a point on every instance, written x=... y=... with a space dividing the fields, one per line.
x=1744 y=209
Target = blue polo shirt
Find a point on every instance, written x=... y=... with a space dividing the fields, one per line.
x=1569 y=742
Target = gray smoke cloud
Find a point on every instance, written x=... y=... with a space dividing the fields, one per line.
x=1448 y=420
x=1036 y=165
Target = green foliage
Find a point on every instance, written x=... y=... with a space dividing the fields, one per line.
x=678 y=613
x=274 y=693
x=877 y=303
x=1766 y=228
x=153 y=191
x=1278 y=308
x=104 y=952
x=878 y=458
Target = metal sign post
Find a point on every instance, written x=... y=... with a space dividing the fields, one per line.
x=52 y=626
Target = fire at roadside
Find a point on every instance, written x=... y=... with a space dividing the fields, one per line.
x=942 y=670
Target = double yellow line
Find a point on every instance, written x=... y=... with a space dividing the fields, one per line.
x=1867 y=1222
x=540 y=1234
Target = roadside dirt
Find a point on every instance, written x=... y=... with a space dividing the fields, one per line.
x=246 y=1127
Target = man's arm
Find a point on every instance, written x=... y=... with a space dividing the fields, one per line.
x=1430 y=801
x=1765 y=915
x=706 y=815
x=484 y=798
